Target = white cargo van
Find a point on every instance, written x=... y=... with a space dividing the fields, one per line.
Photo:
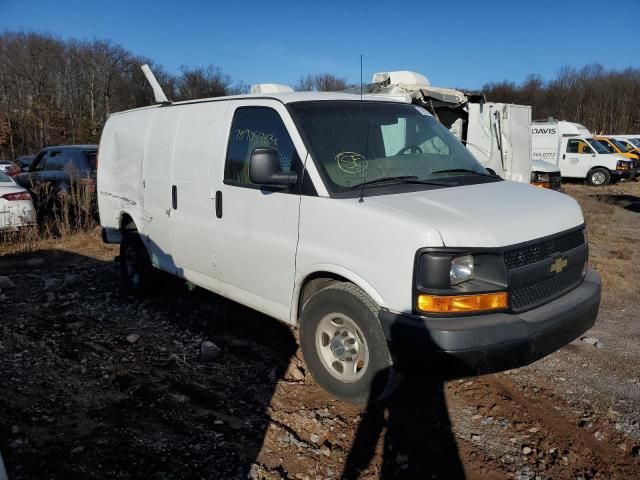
x=571 y=147
x=496 y=133
x=362 y=221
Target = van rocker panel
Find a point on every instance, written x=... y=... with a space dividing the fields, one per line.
x=479 y=344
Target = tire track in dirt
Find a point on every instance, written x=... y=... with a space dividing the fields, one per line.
x=556 y=440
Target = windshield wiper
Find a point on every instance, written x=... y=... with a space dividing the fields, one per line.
x=466 y=170
x=400 y=179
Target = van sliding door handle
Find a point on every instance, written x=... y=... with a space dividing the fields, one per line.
x=174 y=197
x=219 y=204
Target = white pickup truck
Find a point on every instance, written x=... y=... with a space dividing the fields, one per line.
x=361 y=220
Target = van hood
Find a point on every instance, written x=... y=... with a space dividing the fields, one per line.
x=488 y=215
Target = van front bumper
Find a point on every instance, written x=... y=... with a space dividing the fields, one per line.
x=488 y=343
x=624 y=174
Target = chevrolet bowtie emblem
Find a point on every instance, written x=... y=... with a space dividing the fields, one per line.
x=558 y=265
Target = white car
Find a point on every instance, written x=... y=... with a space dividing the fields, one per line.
x=5 y=165
x=16 y=207
x=361 y=220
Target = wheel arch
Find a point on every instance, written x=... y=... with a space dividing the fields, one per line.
x=323 y=276
x=126 y=222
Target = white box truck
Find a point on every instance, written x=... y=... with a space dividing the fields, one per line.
x=577 y=154
x=360 y=220
x=496 y=133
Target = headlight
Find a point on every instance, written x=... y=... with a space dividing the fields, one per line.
x=461 y=269
x=540 y=177
x=622 y=165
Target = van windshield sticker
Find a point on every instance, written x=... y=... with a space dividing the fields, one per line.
x=351 y=163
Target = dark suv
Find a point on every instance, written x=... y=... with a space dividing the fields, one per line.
x=57 y=170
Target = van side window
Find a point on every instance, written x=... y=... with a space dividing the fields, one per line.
x=254 y=127
x=56 y=160
x=577 y=146
x=40 y=162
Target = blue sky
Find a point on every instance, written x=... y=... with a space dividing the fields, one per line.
x=454 y=43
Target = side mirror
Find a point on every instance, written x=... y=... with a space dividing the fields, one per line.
x=264 y=168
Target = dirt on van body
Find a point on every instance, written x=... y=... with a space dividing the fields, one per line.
x=97 y=384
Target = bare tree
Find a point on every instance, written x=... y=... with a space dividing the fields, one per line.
x=55 y=91
x=322 y=82
x=202 y=83
x=602 y=100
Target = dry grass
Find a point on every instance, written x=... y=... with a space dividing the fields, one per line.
x=67 y=214
x=614 y=235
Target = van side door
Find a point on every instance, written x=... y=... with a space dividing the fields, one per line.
x=198 y=154
x=255 y=257
x=575 y=161
x=157 y=187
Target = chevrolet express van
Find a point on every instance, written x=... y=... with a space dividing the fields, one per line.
x=360 y=220
x=576 y=153
x=619 y=147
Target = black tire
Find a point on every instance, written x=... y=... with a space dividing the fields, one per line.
x=378 y=378
x=599 y=177
x=136 y=270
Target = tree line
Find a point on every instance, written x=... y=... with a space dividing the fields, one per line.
x=604 y=101
x=55 y=91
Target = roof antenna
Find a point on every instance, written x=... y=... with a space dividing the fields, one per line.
x=159 y=95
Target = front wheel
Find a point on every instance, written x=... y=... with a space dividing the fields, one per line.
x=344 y=346
x=599 y=177
x=136 y=270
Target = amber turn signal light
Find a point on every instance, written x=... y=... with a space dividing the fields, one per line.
x=462 y=303
x=541 y=184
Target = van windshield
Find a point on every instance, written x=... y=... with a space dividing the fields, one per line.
x=597 y=146
x=356 y=143
x=622 y=145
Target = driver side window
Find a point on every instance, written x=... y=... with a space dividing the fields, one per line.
x=255 y=127
x=40 y=163
x=578 y=146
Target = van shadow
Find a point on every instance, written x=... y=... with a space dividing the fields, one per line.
x=92 y=401
x=410 y=430
x=628 y=202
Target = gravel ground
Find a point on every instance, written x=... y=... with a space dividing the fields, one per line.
x=96 y=384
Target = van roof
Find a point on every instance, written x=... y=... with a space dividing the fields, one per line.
x=285 y=97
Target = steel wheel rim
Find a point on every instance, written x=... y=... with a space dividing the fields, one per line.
x=598 y=178
x=341 y=347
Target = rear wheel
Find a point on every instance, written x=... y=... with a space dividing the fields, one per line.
x=344 y=346
x=135 y=267
x=599 y=177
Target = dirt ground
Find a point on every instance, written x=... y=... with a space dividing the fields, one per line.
x=96 y=384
